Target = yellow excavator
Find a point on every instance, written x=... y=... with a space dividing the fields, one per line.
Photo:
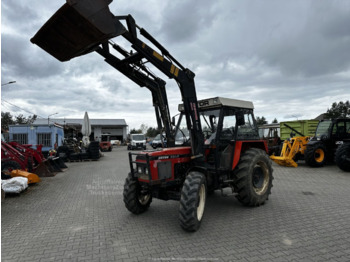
x=292 y=149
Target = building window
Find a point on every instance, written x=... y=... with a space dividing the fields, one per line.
x=44 y=139
x=20 y=138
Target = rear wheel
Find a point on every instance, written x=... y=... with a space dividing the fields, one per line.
x=342 y=157
x=135 y=200
x=192 y=201
x=253 y=177
x=315 y=155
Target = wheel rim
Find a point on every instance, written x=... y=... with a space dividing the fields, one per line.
x=143 y=199
x=319 y=155
x=201 y=202
x=260 y=178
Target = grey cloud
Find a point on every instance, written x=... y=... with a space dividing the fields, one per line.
x=290 y=55
x=185 y=20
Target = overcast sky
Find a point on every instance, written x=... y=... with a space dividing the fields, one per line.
x=290 y=58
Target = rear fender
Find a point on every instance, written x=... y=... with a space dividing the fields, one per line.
x=242 y=146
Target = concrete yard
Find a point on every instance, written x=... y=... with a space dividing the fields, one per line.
x=79 y=215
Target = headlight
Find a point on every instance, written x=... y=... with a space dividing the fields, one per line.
x=146 y=171
x=139 y=170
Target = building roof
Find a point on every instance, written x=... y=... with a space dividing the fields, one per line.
x=75 y=121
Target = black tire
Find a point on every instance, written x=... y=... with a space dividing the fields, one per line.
x=135 y=202
x=110 y=149
x=315 y=155
x=8 y=166
x=342 y=157
x=253 y=177
x=192 y=201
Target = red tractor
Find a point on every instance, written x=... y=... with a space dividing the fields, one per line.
x=221 y=146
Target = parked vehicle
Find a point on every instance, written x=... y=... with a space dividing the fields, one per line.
x=158 y=141
x=137 y=141
x=342 y=156
x=105 y=144
x=323 y=145
x=271 y=133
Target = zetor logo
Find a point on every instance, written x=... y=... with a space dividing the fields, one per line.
x=204 y=103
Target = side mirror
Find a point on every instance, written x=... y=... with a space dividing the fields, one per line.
x=240 y=118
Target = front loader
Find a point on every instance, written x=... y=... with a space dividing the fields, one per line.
x=12 y=159
x=292 y=150
x=221 y=146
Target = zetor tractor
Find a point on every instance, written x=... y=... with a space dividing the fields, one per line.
x=329 y=135
x=222 y=147
x=233 y=157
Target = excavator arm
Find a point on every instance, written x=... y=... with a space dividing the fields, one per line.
x=83 y=26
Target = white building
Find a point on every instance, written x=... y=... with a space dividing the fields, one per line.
x=116 y=128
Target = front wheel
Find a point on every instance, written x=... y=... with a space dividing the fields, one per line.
x=342 y=157
x=315 y=155
x=135 y=200
x=253 y=177
x=192 y=201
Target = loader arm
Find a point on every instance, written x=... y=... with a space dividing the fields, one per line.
x=141 y=75
x=83 y=26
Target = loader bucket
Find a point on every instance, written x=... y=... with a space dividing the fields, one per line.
x=32 y=178
x=42 y=170
x=284 y=161
x=77 y=28
x=61 y=163
x=56 y=164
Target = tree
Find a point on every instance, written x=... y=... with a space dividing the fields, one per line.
x=6 y=120
x=275 y=121
x=135 y=131
x=340 y=109
x=143 y=128
x=20 y=119
x=261 y=121
x=31 y=119
x=152 y=132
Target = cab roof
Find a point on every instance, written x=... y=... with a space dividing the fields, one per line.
x=217 y=102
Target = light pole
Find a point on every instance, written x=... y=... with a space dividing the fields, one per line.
x=48 y=118
x=8 y=83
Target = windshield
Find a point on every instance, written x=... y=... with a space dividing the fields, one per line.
x=244 y=132
x=323 y=128
x=138 y=137
x=182 y=133
x=209 y=120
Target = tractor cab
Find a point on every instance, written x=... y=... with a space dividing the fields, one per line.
x=228 y=127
